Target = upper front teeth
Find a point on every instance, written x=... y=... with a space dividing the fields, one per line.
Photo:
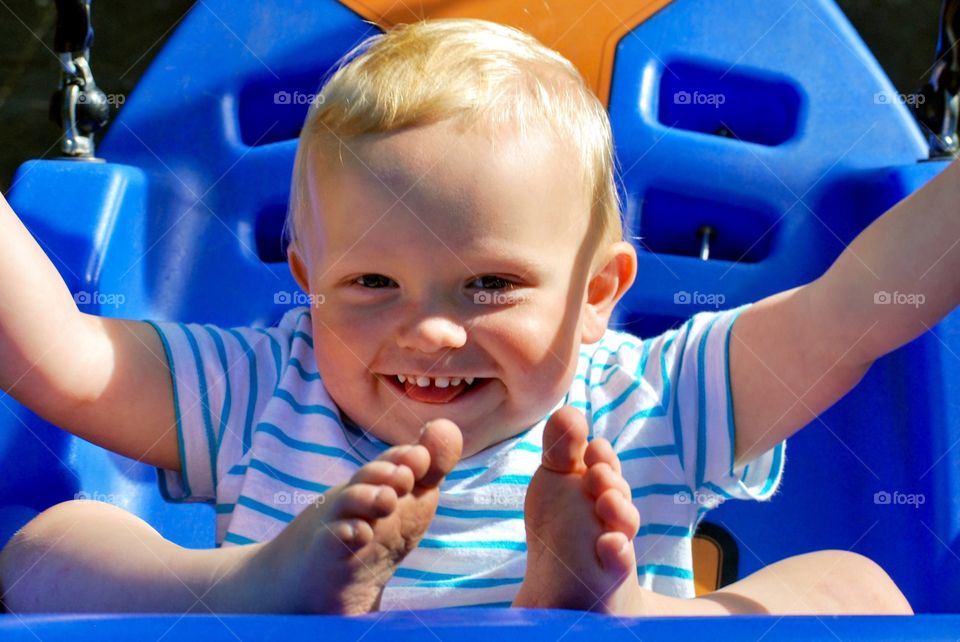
x=439 y=382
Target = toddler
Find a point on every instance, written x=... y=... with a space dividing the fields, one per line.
x=451 y=422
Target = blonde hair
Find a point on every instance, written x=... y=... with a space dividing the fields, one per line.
x=476 y=71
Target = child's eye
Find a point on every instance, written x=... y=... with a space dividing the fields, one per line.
x=375 y=281
x=490 y=283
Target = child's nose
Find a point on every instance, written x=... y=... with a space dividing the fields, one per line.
x=432 y=333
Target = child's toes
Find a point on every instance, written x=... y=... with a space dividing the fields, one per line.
x=616 y=553
x=413 y=456
x=444 y=442
x=366 y=501
x=600 y=451
x=565 y=441
x=386 y=473
x=600 y=478
x=354 y=534
x=617 y=513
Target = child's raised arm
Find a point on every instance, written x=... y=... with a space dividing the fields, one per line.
x=796 y=353
x=105 y=380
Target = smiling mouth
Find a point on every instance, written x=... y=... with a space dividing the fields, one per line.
x=435 y=390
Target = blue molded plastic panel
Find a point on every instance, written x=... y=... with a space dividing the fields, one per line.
x=828 y=161
x=185 y=223
x=473 y=625
x=105 y=215
x=746 y=104
x=674 y=221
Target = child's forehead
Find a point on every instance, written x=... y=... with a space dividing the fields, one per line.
x=461 y=186
x=464 y=167
x=429 y=148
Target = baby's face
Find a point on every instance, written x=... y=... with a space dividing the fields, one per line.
x=448 y=260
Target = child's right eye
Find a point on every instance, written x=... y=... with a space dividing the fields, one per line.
x=375 y=281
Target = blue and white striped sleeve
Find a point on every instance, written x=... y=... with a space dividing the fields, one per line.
x=221 y=380
x=703 y=415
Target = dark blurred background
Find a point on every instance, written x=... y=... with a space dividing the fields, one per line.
x=901 y=33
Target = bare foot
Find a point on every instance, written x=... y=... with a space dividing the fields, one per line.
x=336 y=557
x=580 y=525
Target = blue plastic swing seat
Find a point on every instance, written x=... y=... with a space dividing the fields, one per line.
x=808 y=146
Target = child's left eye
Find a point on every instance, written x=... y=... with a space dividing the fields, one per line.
x=374 y=281
x=490 y=283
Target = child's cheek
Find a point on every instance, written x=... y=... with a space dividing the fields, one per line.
x=353 y=323
x=538 y=349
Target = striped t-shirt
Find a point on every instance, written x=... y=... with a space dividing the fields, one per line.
x=260 y=439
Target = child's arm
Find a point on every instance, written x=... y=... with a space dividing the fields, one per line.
x=105 y=380
x=794 y=354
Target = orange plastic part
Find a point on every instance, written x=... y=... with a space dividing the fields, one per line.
x=586 y=33
x=707 y=562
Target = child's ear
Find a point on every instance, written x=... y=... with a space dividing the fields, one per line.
x=298 y=268
x=612 y=277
